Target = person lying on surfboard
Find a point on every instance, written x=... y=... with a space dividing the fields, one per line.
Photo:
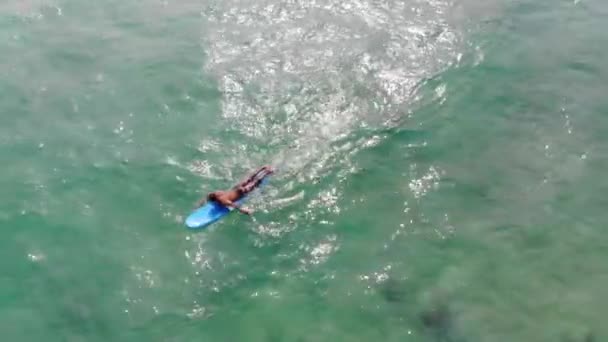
x=229 y=198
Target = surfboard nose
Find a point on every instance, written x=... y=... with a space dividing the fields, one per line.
x=192 y=222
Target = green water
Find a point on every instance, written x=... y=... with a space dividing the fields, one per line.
x=441 y=170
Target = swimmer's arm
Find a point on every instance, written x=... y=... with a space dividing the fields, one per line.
x=233 y=205
x=200 y=203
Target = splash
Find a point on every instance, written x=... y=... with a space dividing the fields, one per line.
x=299 y=76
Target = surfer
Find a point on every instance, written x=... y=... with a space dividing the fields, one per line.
x=229 y=198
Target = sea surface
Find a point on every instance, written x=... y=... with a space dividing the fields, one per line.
x=441 y=170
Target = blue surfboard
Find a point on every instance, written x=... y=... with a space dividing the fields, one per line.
x=213 y=211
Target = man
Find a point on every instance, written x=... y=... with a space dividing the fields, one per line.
x=230 y=197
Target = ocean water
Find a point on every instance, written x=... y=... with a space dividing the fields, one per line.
x=440 y=170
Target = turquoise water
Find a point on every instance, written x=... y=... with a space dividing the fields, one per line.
x=440 y=170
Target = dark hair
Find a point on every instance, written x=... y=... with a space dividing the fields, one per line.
x=212 y=196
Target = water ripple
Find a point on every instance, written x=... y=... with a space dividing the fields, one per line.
x=304 y=73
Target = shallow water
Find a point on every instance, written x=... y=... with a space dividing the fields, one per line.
x=440 y=170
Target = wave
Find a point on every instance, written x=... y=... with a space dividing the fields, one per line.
x=299 y=76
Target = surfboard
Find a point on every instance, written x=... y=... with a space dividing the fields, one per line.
x=213 y=211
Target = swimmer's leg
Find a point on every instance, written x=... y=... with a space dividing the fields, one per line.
x=255 y=179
